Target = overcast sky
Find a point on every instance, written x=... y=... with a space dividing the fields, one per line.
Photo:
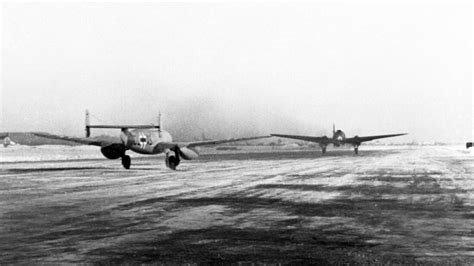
x=229 y=70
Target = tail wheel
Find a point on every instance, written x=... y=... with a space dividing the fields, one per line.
x=126 y=161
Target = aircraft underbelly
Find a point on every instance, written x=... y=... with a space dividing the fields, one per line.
x=144 y=141
x=142 y=151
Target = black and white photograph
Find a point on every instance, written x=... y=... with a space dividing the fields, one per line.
x=236 y=133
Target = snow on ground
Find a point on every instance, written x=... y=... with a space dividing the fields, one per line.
x=19 y=153
x=400 y=205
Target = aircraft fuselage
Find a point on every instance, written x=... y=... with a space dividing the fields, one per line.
x=338 y=138
x=144 y=141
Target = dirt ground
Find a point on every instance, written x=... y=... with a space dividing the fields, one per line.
x=401 y=205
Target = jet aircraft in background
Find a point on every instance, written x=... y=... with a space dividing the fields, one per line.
x=143 y=139
x=338 y=139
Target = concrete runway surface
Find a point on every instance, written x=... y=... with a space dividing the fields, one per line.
x=395 y=205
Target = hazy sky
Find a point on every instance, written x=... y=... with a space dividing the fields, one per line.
x=229 y=70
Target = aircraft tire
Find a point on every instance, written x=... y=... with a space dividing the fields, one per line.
x=172 y=162
x=126 y=161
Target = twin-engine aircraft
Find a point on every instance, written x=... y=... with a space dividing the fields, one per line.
x=338 y=139
x=143 y=139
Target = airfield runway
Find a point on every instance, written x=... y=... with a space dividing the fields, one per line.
x=394 y=205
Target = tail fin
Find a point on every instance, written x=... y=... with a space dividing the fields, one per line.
x=159 y=122
x=88 y=123
x=333 y=129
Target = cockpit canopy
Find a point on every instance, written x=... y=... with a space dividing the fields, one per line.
x=339 y=135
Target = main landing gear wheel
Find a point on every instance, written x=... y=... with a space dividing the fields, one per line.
x=356 y=150
x=323 y=148
x=126 y=161
x=172 y=161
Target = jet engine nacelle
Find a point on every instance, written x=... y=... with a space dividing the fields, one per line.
x=113 y=151
x=188 y=154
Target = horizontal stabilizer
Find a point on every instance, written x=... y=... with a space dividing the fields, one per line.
x=88 y=127
x=123 y=126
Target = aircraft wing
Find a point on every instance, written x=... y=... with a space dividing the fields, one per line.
x=324 y=139
x=85 y=141
x=170 y=145
x=369 y=138
x=215 y=142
